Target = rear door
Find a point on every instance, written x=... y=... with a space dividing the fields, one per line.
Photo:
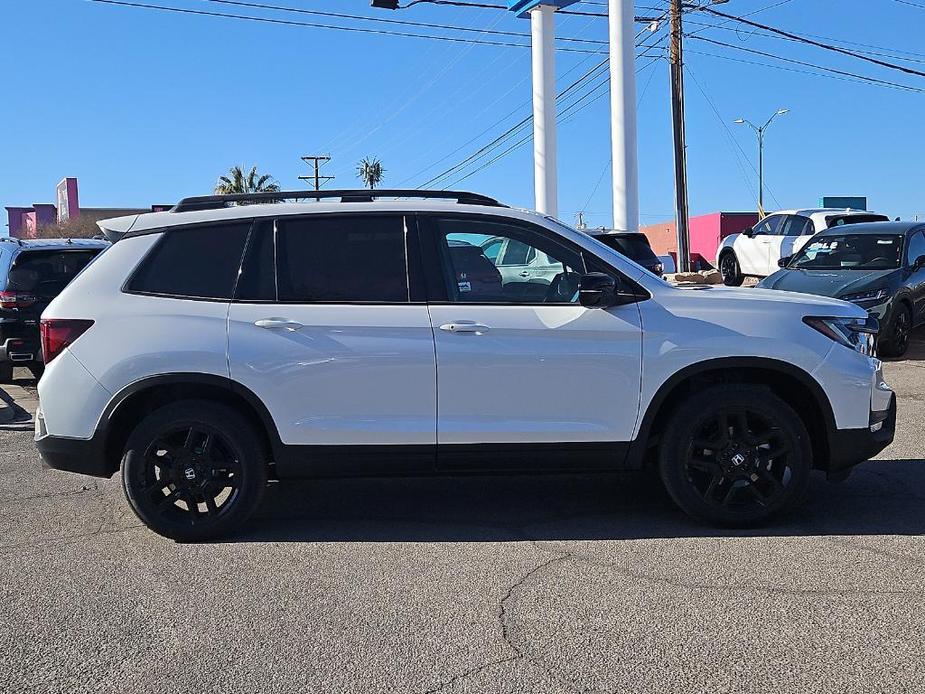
x=795 y=230
x=326 y=329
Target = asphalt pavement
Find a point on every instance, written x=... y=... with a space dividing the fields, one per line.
x=557 y=584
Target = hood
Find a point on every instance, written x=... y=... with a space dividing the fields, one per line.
x=827 y=282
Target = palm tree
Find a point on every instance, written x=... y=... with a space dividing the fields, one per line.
x=238 y=182
x=370 y=171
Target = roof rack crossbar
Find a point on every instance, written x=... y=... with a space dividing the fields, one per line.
x=212 y=202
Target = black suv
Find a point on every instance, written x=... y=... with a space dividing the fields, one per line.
x=634 y=245
x=32 y=273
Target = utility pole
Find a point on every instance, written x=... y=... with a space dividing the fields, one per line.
x=545 y=168
x=676 y=64
x=316 y=178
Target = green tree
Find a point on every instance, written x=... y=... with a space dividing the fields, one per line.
x=370 y=171
x=239 y=182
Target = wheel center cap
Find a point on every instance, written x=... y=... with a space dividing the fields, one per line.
x=738 y=459
x=190 y=473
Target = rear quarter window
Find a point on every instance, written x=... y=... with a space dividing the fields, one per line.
x=196 y=263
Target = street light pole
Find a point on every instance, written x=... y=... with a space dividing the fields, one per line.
x=759 y=130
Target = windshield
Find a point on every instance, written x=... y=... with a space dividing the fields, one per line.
x=850 y=252
x=632 y=246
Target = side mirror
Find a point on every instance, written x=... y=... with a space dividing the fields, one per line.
x=783 y=262
x=748 y=233
x=598 y=290
x=917 y=265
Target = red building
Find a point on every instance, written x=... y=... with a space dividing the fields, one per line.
x=706 y=232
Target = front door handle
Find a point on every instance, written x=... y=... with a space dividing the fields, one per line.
x=465 y=327
x=525 y=273
x=276 y=323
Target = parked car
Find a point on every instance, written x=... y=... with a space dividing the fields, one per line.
x=880 y=267
x=634 y=245
x=32 y=273
x=755 y=251
x=213 y=347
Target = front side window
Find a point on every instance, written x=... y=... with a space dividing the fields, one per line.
x=196 y=262
x=850 y=252
x=768 y=226
x=472 y=276
x=916 y=247
x=341 y=259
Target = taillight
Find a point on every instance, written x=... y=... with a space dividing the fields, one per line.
x=16 y=300
x=58 y=333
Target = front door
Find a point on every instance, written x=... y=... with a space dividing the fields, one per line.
x=527 y=377
x=323 y=328
x=754 y=252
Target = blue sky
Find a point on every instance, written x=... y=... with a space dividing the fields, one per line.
x=146 y=107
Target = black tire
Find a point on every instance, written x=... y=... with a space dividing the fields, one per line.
x=6 y=372
x=742 y=474
x=194 y=470
x=729 y=269
x=895 y=338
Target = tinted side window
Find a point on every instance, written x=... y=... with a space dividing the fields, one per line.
x=199 y=262
x=796 y=225
x=768 y=225
x=46 y=273
x=357 y=258
x=916 y=247
x=258 y=271
x=517 y=253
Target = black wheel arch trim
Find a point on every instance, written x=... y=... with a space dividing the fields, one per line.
x=655 y=405
x=194 y=379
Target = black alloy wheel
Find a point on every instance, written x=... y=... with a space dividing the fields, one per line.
x=194 y=470
x=735 y=455
x=899 y=333
x=729 y=269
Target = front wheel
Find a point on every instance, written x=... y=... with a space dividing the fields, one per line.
x=735 y=455
x=894 y=341
x=194 y=470
x=729 y=269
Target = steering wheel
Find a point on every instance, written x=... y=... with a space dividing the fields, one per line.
x=562 y=289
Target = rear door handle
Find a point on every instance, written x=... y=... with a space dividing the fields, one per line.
x=277 y=323
x=464 y=327
x=525 y=273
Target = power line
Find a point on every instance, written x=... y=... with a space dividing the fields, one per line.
x=791 y=69
x=386 y=20
x=872 y=80
x=818 y=44
x=316 y=25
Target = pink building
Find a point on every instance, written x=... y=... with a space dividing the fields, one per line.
x=24 y=221
x=706 y=232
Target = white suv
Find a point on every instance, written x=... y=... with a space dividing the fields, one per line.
x=757 y=252
x=214 y=347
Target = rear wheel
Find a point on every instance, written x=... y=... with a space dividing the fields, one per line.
x=735 y=455
x=729 y=269
x=895 y=339
x=194 y=470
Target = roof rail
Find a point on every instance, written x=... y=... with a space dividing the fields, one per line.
x=212 y=202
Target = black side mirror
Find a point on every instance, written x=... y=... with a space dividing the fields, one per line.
x=918 y=264
x=748 y=233
x=783 y=262
x=598 y=290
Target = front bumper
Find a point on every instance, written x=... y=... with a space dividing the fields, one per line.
x=849 y=447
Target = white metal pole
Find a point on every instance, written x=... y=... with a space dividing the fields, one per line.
x=542 y=24
x=623 y=116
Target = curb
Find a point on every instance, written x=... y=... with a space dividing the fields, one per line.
x=13 y=417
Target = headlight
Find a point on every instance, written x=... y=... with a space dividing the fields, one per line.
x=867 y=298
x=859 y=334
